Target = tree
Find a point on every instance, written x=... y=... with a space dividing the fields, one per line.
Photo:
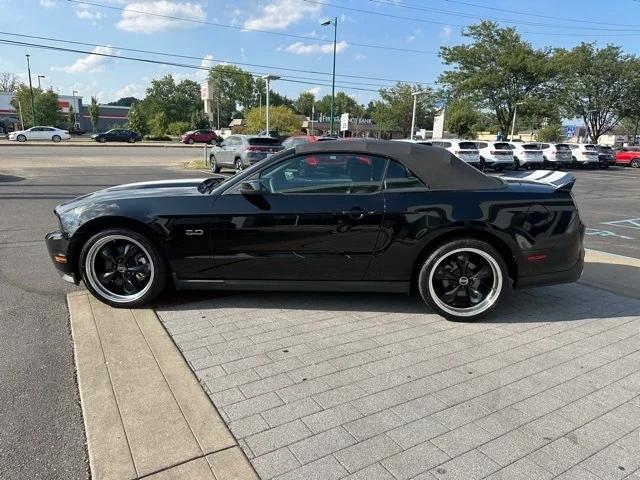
x=124 y=102
x=281 y=118
x=71 y=117
x=176 y=100
x=394 y=110
x=342 y=103
x=304 y=103
x=552 y=133
x=597 y=85
x=497 y=69
x=178 y=128
x=137 y=119
x=8 y=82
x=462 y=118
x=94 y=113
x=198 y=121
x=159 y=124
x=45 y=102
x=232 y=88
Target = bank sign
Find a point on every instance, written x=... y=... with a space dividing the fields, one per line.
x=357 y=120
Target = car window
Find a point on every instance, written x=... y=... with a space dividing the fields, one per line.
x=544 y=146
x=328 y=173
x=530 y=146
x=563 y=147
x=272 y=142
x=501 y=146
x=481 y=144
x=467 y=146
x=292 y=142
x=399 y=177
x=573 y=146
x=445 y=144
x=591 y=148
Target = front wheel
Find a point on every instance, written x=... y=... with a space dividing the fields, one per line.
x=463 y=280
x=122 y=268
x=21 y=138
x=102 y=140
x=214 y=164
x=635 y=163
x=131 y=140
x=190 y=141
x=238 y=165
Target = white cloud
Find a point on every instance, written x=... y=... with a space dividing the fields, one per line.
x=300 y=48
x=130 y=90
x=135 y=17
x=84 y=12
x=90 y=63
x=445 y=32
x=279 y=14
x=207 y=62
x=48 y=3
x=359 y=57
x=314 y=90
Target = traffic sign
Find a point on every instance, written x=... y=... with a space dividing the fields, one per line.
x=344 y=122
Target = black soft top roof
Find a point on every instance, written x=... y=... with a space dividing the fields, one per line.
x=438 y=168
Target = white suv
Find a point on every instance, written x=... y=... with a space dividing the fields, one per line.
x=465 y=150
x=527 y=155
x=556 y=154
x=584 y=154
x=496 y=155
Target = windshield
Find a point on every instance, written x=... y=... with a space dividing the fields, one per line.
x=264 y=141
x=502 y=146
x=467 y=146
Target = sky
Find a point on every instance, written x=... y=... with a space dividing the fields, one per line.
x=378 y=41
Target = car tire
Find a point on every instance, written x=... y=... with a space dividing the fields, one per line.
x=56 y=138
x=238 y=165
x=215 y=168
x=445 y=284
x=190 y=141
x=516 y=163
x=603 y=166
x=635 y=163
x=21 y=138
x=122 y=268
x=102 y=140
x=131 y=140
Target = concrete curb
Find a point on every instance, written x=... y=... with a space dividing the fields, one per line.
x=145 y=414
x=68 y=143
x=613 y=273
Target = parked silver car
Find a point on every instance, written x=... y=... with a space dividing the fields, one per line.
x=241 y=151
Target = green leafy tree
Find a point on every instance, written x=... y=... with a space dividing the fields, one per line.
x=176 y=100
x=198 y=121
x=551 y=133
x=394 y=110
x=232 y=88
x=124 y=102
x=462 y=118
x=496 y=69
x=342 y=103
x=159 y=124
x=137 y=119
x=45 y=102
x=178 y=128
x=597 y=85
x=304 y=103
x=94 y=113
x=281 y=118
x=71 y=117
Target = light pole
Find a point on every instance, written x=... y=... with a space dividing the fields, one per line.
x=513 y=124
x=33 y=105
x=268 y=78
x=75 y=109
x=39 y=77
x=326 y=23
x=413 y=116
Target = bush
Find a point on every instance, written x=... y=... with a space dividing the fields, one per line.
x=159 y=124
x=199 y=120
x=178 y=128
x=550 y=133
x=158 y=138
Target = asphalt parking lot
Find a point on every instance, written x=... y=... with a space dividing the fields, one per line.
x=41 y=424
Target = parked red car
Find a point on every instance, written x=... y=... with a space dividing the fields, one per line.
x=204 y=135
x=628 y=157
x=294 y=140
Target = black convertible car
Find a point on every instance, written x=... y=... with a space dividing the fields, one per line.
x=363 y=215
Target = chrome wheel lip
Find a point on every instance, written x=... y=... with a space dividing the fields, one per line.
x=489 y=300
x=95 y=283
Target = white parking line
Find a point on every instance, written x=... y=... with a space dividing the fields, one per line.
x=627 y=223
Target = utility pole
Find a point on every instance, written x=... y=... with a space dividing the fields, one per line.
x=268 y=78
x=513 y=124
x=33 y=105
x=333 y=22
x=413 y=116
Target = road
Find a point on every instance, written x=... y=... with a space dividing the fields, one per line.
x=41 y=429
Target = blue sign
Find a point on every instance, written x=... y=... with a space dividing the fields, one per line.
x=571 y=130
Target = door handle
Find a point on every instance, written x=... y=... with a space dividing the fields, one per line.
x=357 y=213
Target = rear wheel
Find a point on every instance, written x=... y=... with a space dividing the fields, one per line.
x=516 y=163
x=190 y=141
x=238 y=165
x=635 y=163
x=214 y=164
x=463 y=280
x=131 y=140
x=122 y=268
x=56 y=138
x=102 y=140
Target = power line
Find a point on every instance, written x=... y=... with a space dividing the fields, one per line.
x=243 y=29
x=288 y=78
x=190 y=57
x=435 y=22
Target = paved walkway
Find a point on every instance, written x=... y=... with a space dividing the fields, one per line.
x=375 y=387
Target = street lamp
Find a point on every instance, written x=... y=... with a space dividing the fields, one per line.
x=75 y=107
x=39 y=77
x=33 y=105
x=513 y=124
x=326 y=23
x=267 y=78
x=413 y=116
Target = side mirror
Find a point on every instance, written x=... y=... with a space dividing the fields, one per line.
x=251 y=187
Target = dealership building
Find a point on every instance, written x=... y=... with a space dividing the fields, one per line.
x=110 y=116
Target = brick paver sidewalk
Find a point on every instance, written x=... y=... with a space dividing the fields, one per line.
x=375 y=387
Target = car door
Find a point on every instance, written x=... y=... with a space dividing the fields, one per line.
x=223 y=155
x=317 y=218
x=34 y=133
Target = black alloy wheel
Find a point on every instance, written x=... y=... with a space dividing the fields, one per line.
x=122 y=268
x=463 y=279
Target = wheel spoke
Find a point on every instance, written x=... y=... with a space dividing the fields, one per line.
x=107 y=277
x=483 y=273
x=129 y=250
x=451 y=294
x=463 y=261
x=128 y=286
x=108 y=254
x=142 y=268
x=442 y=274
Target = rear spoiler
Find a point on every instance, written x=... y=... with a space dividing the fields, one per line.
x=561 y=181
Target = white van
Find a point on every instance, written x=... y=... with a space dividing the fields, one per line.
x=584 y=154
x=556 y=154
x=496 y=155
x=465 y=150
x=527 y=155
